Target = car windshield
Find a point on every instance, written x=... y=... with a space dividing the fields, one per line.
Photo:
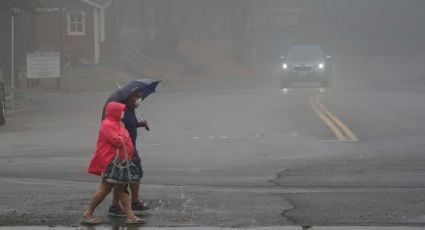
x=305 y=52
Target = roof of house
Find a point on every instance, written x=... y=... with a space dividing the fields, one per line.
x=97 y=3
x=54 y=5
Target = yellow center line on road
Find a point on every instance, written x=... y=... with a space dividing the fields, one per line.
x=338 y=133
x=341 y=130
x=347 y=131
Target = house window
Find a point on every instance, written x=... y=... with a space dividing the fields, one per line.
x=76 y=23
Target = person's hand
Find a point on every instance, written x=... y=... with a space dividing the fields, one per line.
x=145 y=125
x=122 y=124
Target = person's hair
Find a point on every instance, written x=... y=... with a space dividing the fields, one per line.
x=136 y=94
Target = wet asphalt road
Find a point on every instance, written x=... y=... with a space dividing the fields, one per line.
x=235 y=152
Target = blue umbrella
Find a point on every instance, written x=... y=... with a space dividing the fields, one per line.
x=145 y=86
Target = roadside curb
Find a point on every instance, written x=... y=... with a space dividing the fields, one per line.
x=17 y=104
x=19 y=109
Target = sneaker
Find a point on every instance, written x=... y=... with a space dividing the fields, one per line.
x=138 y=208
x=116 y=210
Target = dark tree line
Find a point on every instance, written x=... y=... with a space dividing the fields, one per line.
x=24 y=12
x=165 y=22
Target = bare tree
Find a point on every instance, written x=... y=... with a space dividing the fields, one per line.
x=160 y=23
x=165 y=22
x=240 y=11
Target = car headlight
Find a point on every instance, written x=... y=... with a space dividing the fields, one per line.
x=285 y=66
x=321 y=65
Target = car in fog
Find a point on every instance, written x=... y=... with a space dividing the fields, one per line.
x=2 y=100
x=305 y=63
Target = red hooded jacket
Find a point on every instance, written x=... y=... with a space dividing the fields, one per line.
x=111 y=136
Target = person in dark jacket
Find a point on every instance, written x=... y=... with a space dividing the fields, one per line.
x=131 y=123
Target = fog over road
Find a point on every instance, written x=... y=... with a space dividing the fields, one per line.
x=236 y=152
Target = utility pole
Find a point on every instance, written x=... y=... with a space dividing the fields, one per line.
x=12 y=50
x=252 y=51
x=61 y=24
x=13 y=12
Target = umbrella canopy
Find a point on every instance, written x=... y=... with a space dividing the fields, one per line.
x=145 y=86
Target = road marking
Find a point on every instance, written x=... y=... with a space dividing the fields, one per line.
x=19 y=110
x=241 y=136
x=341 y=130
x=347 y=131
x=230 y=136
x=326 y=120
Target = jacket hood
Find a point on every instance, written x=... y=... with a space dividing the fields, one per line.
x=113 y=110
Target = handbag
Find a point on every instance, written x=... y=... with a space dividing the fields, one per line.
x=121 y=171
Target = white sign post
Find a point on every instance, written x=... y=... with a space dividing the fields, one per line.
x=43 y=64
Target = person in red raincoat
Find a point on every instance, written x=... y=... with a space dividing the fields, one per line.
x=112 y=135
